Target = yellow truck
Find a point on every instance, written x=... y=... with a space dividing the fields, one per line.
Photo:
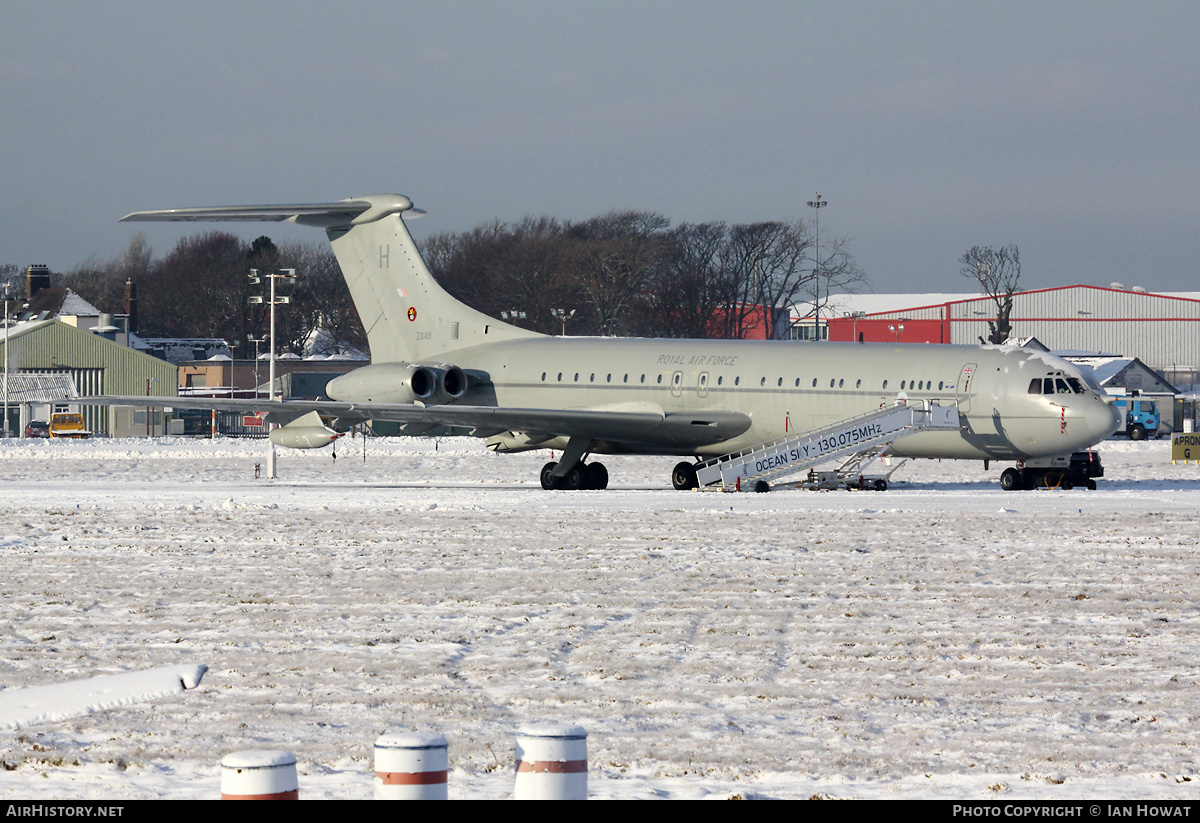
x=68 y=424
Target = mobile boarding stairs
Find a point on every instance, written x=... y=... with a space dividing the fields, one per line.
x=863 y=439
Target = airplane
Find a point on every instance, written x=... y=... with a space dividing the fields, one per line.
x=438 y=362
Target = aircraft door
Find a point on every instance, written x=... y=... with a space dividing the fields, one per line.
x=702 y=385
x=963 y=389
x=677 y=384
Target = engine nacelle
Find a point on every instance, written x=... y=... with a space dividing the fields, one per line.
x=400 y=383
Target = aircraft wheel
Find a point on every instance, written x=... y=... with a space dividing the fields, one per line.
x=548 y=481
x=597 y=476
x=1137 y=432
x=574 y=480
x=683 y=477
x=1010 y=480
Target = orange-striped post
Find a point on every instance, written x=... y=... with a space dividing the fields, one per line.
x=551 y=762
x=410 y=766
x=259 y=775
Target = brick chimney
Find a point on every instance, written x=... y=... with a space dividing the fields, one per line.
x=37 y=277
x=131 y=306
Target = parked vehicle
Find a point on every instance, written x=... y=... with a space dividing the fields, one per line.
x=37 y=428
x=68 y=424
x=1140 y=417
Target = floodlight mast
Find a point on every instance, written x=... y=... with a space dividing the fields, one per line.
x=6 y=299
x=817 y=204
x=289 y=275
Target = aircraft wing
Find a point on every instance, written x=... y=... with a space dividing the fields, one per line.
x=61 y=701
x=648 y=425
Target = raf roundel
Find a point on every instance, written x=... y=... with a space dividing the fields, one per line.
x=412 y=313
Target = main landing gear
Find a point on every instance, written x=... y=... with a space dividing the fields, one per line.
x=582 y=476
x=683 y=477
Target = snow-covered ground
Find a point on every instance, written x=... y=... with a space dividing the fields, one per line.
x=942 y=639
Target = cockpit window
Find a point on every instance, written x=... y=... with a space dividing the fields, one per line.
x=1076 y=385
x=1035 y=385
x=1061 y=386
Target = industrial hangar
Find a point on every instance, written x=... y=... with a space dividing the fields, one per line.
x=96 y=365
x=1160 y=330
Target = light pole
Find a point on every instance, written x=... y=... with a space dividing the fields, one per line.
x=149 y=380
x=290 y=276
x=857 y=315
x=817 y=205
x=6 y=299
x=256 y=341
x=564 y=316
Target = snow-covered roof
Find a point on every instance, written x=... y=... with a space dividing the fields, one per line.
x=73 y=304
x=24 y=387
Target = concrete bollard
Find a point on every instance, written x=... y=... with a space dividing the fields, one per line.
x=551 y=762
x=410 y=766
x=259 y=775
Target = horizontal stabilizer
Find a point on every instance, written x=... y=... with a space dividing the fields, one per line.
x=325 y=215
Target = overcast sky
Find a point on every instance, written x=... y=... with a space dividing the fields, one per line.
x=1068 y=128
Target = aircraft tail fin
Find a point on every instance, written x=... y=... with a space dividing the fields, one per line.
x=407 y=315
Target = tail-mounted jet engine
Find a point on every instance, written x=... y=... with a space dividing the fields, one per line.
x=400 y=383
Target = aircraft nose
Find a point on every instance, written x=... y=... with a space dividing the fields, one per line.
x=1102 y=419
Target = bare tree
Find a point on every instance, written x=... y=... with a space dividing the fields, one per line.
x=838 y=273
x=613 y=257
x=686 y=296
x=998 y=273
x=102 y=282
x=200 y=289
x=766 y=272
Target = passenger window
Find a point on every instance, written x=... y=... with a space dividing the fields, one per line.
x=737 y=381
x=885 y=384
x=814 y=382
x=720 y=380
x=841 y=383
x=660 y=379
x=858 y=384
x=608 y=379
x=576 y=377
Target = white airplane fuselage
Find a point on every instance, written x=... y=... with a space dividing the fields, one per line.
x=790 y=387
